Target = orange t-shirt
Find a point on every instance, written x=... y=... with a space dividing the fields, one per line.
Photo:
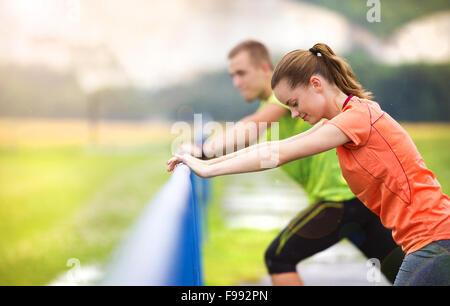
x=384 y=169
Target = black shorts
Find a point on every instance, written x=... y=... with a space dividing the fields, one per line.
x=326 y=223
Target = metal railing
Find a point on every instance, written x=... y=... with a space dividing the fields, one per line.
x=164 y=246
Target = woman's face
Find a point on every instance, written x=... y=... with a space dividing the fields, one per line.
x=305 y=102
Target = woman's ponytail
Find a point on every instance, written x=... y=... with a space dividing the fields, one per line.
x=298 y=66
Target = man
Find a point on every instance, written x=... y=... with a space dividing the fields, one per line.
x=334 y=213
x=251 y=68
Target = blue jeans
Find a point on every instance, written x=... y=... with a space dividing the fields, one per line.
x=429 y=266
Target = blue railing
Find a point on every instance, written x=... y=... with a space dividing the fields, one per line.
x=164 y=246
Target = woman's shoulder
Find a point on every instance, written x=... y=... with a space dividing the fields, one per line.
x=365 y=107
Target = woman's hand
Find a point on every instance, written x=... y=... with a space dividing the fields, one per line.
x=199 y=166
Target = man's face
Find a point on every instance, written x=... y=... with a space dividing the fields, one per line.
x=247 y=77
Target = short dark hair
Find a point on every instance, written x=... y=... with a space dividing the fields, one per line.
x=257 y=51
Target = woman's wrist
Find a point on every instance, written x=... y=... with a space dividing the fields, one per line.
x=210 y=170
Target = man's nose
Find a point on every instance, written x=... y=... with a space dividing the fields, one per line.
x=237 y=82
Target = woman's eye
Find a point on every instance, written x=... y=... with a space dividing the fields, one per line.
x=294 y=105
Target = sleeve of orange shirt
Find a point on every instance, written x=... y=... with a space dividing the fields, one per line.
x=355 y=122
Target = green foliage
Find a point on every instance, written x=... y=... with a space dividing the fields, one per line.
x=121 y=103
x=413 y=92
x=211 y=94
x=39 y=92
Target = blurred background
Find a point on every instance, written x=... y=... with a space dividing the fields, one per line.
x=89 y=91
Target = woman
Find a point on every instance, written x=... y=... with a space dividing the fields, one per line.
x=378 y=159
x=334 y=213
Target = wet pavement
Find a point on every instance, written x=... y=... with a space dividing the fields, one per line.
x=269 y=200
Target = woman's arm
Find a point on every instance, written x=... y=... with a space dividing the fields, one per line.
x=268 y=155
x=324 y=138
x=261 y=145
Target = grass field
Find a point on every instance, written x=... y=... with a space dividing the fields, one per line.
x=232 y=256
x=71 y=200
x=62 y=198
x=433 y=142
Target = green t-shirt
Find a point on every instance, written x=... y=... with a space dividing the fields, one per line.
x=320 y=175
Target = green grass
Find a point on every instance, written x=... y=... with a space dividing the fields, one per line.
x=232 y=256
x=69 y=202
x=236 y=256
x=433 y=143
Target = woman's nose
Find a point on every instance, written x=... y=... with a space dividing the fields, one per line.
x=294 y=113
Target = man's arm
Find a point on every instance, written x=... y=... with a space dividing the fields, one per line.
x=245 y=132
x=259 y=146
x=255 y=157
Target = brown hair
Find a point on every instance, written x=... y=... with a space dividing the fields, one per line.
x=299 y=65
x=257 y=51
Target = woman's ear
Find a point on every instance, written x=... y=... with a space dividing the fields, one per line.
x=316 y=83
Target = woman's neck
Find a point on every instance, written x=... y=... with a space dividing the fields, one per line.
x=337 y=100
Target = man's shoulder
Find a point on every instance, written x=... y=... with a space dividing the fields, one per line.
x=272 y=99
